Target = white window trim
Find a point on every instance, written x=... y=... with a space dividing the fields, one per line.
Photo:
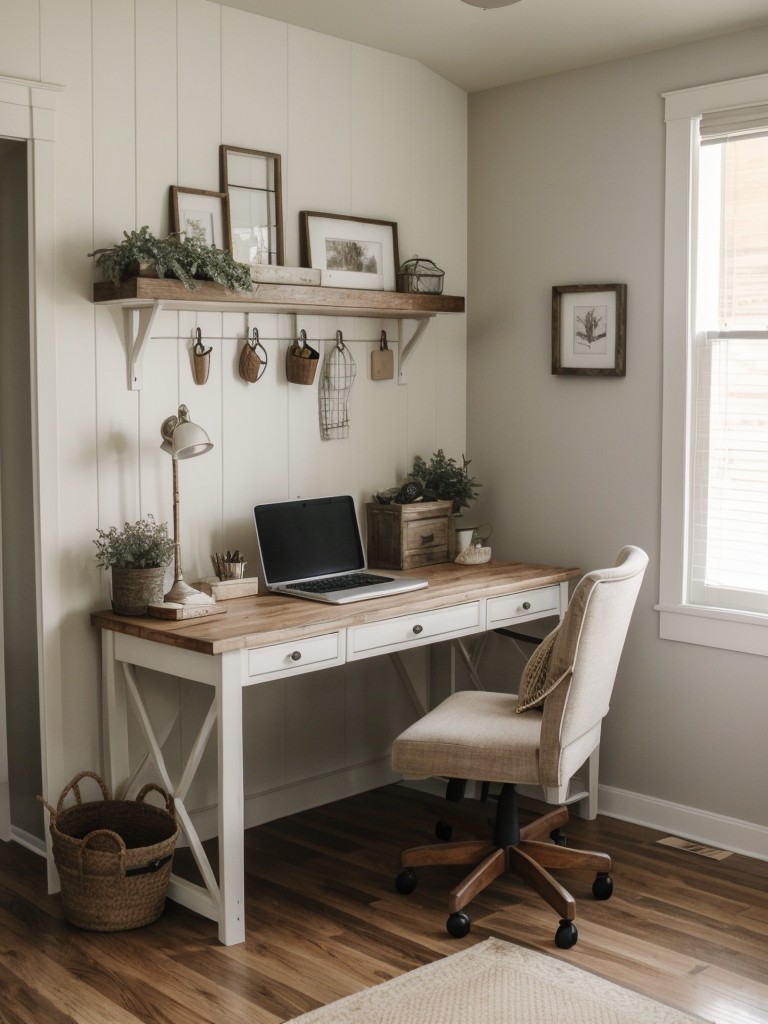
x=679 y=620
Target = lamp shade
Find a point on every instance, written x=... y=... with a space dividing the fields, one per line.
x=183 y=439
x=189 y=440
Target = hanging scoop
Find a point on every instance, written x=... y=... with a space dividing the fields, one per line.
x=253 y=359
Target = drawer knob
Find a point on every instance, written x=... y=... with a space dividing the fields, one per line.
x=427 y=538
x=526 y=606
x=418 y=629
x=296 y=656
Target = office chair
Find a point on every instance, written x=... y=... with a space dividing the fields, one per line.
x=540 y=737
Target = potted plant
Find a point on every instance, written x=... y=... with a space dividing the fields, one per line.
x=138 y=555
x=443 y=479
x=189 y=259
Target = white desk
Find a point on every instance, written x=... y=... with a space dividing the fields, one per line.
x=268 y=637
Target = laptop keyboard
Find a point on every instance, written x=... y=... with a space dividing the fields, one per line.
x=348 y=582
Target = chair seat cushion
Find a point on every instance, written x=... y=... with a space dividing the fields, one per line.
x=472 y=735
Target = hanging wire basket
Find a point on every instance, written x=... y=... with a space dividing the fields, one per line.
x=338 y=374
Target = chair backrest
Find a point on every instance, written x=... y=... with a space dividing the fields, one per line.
x=587 y=650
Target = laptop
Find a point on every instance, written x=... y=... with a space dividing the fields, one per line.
x=312 y=548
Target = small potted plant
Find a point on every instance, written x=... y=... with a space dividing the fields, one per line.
x=138 y=555
x=189 y=259
x=443 y=479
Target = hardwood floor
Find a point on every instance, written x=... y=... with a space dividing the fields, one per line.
x=324 y=921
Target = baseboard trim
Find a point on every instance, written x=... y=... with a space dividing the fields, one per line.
x=664 y=816
x=687 y=822
x=27 y=840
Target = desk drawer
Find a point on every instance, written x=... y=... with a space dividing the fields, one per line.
x=296 y=656
x=528 y=604
x=413 y=630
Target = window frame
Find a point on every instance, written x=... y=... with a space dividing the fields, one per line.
x=679 y=619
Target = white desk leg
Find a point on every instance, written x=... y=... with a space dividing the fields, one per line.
x=229 y=699
x=114 y=716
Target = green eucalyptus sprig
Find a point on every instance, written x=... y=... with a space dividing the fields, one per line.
x=189 y=259
x=144 y=544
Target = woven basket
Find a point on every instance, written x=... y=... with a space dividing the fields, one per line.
x=114 y=857
x=301 y=361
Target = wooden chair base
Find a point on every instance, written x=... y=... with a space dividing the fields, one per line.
x=530 y=858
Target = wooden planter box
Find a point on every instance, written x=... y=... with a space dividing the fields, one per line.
x=407 y=536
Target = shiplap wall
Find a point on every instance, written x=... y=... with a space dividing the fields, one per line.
x=151 y=88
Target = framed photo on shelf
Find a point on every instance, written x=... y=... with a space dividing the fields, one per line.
x=351 y=252
x=251 y=179
x=195 y=211
x=589 y=329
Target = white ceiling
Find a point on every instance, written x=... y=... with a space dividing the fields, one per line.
x=480 y=49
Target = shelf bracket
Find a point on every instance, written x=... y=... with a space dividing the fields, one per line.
x=137 y=328
x=406 y=346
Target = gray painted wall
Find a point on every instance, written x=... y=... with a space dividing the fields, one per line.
x=566 y=186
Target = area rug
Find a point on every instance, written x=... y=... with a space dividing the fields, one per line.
x=496 y=982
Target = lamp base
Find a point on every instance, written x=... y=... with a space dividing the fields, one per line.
x=182 y=593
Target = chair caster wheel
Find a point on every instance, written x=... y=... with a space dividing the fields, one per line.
x=405 y=882
x=566 y=935
x=443 y=831
x=602 y=887
x=458 y=924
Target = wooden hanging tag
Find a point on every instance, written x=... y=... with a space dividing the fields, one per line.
x=382 y=361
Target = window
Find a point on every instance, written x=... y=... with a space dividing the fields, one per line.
x=714 y=579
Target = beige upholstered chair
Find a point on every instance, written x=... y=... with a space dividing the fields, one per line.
x=539 y=737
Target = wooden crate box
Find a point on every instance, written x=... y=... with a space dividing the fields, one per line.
x=407 y=536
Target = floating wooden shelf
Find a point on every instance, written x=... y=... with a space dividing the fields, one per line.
x=142 y=298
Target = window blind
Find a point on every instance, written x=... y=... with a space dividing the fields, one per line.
x=728 y=501
x=716 y=125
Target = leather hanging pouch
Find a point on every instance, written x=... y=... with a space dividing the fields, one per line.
x=201 y=359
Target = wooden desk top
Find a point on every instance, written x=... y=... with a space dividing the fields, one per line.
x=270 y=619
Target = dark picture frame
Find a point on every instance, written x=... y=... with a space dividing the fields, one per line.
x=197 y=210
x=252 y=180
x=589 y=330
x=351 y=252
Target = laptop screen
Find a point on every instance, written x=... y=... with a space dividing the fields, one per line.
x=308 y=537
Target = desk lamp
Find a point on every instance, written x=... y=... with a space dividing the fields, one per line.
x=182 y=439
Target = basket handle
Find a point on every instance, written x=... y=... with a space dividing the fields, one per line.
x=73 y=785
x=50 y=808
x=108 y=834
x=168 y=797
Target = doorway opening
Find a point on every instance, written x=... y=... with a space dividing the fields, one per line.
x=20 y=747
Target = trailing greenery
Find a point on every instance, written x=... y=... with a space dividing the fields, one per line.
x=144 y=544
x=443 y=479
x=189 y=259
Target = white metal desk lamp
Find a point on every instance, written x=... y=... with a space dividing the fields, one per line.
x=182 y=439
